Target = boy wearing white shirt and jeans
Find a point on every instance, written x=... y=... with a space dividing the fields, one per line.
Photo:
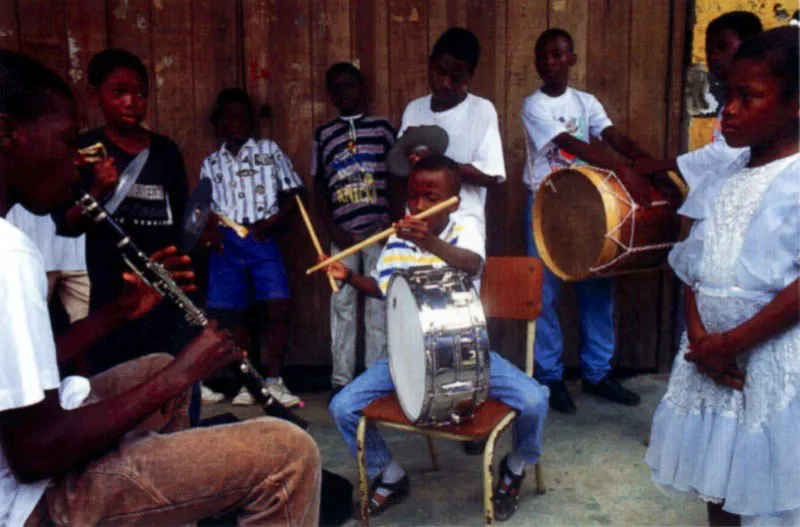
x=470 y=121
x=559 y=121
x=252 y=182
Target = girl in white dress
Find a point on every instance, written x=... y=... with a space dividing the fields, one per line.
x=728 y=429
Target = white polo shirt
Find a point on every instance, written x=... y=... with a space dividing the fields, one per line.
x=474 y=138
x=245 y=187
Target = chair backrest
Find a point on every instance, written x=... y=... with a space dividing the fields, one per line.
x=511 y=287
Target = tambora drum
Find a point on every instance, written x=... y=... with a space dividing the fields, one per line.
x=586 y=225
x=438 y=345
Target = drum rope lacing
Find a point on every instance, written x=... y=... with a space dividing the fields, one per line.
x=629 y=248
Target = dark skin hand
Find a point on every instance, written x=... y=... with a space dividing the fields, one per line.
x=44 y=440
x=263 y=229
x=469 y=174
x=416 y=231
x=136 y=300
x=716 y=352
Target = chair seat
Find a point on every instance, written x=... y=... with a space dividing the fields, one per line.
x=387 y=410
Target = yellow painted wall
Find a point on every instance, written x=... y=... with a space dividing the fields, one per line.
x=772 y=14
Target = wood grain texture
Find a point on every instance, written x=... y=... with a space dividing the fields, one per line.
x=9 y=25
x=172 y=66
x=43 y=34
x=630 y=56
x=87 y=33
x=408 y=53
x=216 y=65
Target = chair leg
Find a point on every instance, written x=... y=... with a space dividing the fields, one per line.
x=537 y=470
x=433 y=451
x=363 y=480
x=488 y=466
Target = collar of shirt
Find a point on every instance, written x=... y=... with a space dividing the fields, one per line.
x=246 y=149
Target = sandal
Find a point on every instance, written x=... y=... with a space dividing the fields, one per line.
x=392 y=494
x=506 y=493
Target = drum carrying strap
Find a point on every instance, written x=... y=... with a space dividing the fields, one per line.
x=613 y=234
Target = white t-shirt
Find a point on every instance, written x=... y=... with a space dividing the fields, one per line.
x=245 y=187
x=576 y=112
x=27 y=353
x=695 y=164
x=474 y=138
x=60 y=253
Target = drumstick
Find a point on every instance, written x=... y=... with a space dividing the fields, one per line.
x=240 y=230
x=314 y=238
x=382 y=235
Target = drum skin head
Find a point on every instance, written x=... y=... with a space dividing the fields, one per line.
x=406 y=344
x=569 y=224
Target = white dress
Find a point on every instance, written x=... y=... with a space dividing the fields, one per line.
x=738 y=447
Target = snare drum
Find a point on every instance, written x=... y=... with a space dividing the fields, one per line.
x=438 y=345
x=586 y=225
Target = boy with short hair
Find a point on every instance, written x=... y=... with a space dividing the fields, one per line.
x=356 y=198
x=724 y=35
x=438 y=241
x=559 y=121
x=470 y=121
x=151 y=212
x=252 y=184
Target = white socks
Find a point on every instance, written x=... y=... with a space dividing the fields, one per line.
x=515 y=464
x=392 y=473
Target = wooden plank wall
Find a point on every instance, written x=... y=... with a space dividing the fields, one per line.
x=630 y=55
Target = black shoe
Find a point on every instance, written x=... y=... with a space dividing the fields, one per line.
x=612 y=390
x=560 y=399
x=474 y=448
x=506 y=492
x=398 y=492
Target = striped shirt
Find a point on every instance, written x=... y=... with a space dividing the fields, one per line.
x=348 y=160
x=399 y=254
x=245 y=187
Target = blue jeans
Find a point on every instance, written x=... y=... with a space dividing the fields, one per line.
x=595 y=300
x=507 y=383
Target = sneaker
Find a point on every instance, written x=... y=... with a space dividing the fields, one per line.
x=282 y=394
x=209 y=396
x=560 y=399
x=243 y=398
x=612 y=390
x=506 y=492
x=384 y=495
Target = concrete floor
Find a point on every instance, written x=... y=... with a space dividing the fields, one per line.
x=593 y=465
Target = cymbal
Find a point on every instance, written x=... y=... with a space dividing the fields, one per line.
x=422 y=140
x=198 y=208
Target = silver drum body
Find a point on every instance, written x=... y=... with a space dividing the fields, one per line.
x=438 y=345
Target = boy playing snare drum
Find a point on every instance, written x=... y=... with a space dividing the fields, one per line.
x=437 y=241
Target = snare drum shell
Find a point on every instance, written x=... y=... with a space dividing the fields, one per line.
x=453 y=346
x=585 y=226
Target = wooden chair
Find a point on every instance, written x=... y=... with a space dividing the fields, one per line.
x=511 y=289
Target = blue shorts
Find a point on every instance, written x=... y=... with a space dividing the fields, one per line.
x=247 y=269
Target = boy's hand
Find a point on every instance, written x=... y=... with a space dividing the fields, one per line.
x=105 y=178
x=337 y=270
x=262 y=229
x=212 y=237
x=414 y=230
x=637 y=185
x=137 y=298
x=206 y=354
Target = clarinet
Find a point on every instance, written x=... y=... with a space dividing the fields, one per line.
x=156 y=276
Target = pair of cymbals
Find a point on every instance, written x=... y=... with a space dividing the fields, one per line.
x=416 y=140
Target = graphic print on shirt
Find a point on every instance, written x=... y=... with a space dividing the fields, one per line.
x=350 y=183
x=559 y=158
